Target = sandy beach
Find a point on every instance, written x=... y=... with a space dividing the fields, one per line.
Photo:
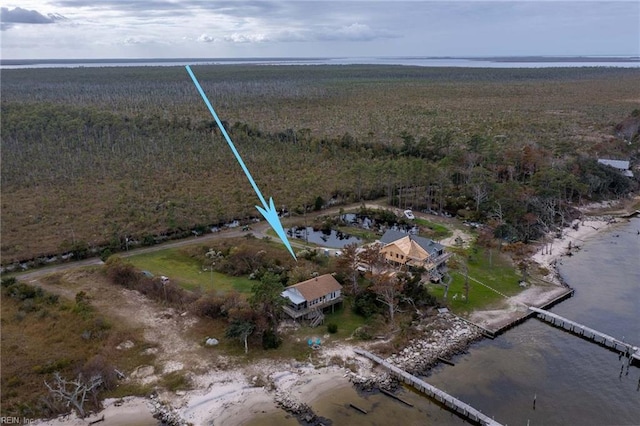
x=551 y=286
x=572 y=238
x=223 y=397
x=129 y=411
x=236 y=396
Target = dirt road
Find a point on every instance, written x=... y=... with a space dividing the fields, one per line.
x=258 y=229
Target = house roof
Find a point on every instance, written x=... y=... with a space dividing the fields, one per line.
x=314 y=288
x=411 y=244
x=617 y=164
x=293 y=295
x=621 y=165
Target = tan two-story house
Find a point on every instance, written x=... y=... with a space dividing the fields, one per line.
x=403 y=249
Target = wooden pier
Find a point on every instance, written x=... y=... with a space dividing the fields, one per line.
x=450 y=402
x=583 y=331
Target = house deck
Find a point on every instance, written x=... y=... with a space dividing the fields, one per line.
x=437 y=261
x=296 y=314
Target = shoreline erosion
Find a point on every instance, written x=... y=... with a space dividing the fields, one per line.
x=241 y=395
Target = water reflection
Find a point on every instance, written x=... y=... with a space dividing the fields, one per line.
x=324 y=237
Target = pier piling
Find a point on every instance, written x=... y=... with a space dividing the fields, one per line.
x=453 y=404
x=623 y=348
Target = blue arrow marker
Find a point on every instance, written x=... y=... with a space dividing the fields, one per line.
x=267 y=210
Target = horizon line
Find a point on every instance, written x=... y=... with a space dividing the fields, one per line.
x=302 y=58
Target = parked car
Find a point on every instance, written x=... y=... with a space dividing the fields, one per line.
x=409 y=214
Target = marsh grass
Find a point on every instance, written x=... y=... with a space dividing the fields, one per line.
x=34 y=346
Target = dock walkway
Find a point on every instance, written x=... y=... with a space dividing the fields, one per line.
x=450 y=402
x=612 y=343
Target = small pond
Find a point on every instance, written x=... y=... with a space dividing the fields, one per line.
x=332 y=238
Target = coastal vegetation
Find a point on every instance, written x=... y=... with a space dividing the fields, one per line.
x=99 y=161
x=102 y=159
x=54 y=339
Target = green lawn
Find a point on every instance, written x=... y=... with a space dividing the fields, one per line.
x=188 y=272
x=500 y=275
x=294 y=342
x=438 y=231
x=346 y=320
x=366 y=235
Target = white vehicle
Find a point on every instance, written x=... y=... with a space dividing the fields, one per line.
x=409 y=214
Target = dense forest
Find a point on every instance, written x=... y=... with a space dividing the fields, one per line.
x=91 y=156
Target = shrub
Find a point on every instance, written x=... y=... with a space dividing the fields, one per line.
x=22 y=291
x=208 y=305
x=105 y=254
x=52 y=366
x=51 y=299
x=28 y=305
x=82 y=306
x=121 y=272
x=8 y=282
x=270 y=340
x=176 y=380
x=100 y=366
x=366 y=305
x=332 y=328
x=363 y=333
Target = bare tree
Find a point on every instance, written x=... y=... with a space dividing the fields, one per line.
x=498 y=213
x=373 y=258
x=480 y=184
x=388 y=289
x=74 y=393
x=480 y=193
x=347 y=263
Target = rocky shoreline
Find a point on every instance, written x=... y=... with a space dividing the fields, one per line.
x=300 y=410
x=164 y=413
x=443 y=337
x=447 y=336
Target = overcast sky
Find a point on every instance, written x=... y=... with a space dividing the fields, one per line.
x=215 y=29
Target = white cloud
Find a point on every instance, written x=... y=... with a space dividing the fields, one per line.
x=246 y=38
x=132 y=40
x=169 y=28
x=354 y=32
x=206 y=38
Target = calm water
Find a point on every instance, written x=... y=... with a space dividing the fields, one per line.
x=506 y=62
x=332 y=238
x=575 y=382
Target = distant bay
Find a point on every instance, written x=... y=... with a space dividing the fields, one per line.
x=460 y=62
